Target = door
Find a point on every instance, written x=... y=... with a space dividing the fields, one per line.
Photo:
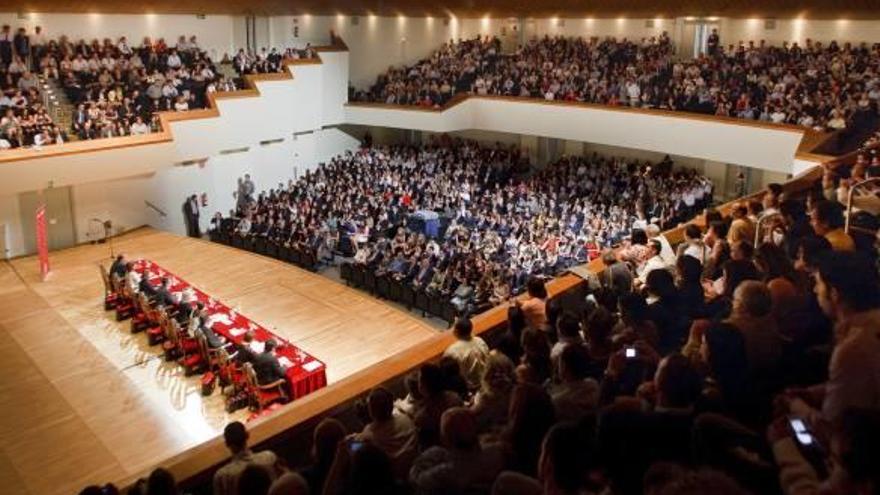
x=3 y=253
x=702 y=31
x=59 y=218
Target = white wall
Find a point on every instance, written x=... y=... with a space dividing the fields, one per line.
x=10 y=215
x=377 y=43
x=214 y=32
x=841 y=30
x=768 y=148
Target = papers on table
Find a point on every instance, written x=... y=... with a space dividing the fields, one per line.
x=221 y=318
x=284 y=362
x=257 y=347
x=238 y=332
x=312 y=365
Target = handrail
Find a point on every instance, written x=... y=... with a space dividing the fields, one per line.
x=760 y=223
x=164 y=134
x=156 y=208
x=849 y=199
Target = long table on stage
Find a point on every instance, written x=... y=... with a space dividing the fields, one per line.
x=305 y=374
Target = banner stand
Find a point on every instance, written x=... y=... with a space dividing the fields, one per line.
x=42 y=242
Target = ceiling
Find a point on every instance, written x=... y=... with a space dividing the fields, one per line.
x=824 y=9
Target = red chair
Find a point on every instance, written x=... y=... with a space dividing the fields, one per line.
x=230 y=374
x=180 y=347
x=144 y=315
x=152 y=321
x=125 y=306
x=263 y=395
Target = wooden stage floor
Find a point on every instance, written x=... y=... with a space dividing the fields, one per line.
x=84 y=401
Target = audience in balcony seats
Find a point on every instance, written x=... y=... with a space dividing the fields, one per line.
x=267 y=61
x=788 y=84
x=117 y=88
x=226 y=479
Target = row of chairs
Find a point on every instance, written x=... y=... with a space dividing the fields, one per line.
x=385 y=287
x=303 y=258
x=237 y=382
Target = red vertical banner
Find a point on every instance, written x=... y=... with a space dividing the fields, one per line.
x=42 y=242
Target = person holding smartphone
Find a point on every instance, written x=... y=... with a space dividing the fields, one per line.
x=848 y=464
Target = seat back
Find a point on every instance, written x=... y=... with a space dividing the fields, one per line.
x=250 y=376
x=203 y=347
x=105 y=277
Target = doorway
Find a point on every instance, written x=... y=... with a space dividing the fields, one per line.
x=60 y=231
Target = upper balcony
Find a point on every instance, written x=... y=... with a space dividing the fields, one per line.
x=774 y=147
x=308 y=95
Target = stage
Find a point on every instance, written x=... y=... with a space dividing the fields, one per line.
x=85 y=401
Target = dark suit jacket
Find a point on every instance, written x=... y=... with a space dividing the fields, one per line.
x=212 y=338
x=163 y=297
x=267 y=368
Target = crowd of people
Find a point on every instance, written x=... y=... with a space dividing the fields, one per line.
x=713 y=366
x=268 y=61
x=499 y=224
x=817 y=85
x=116 y=87
x=24 y=118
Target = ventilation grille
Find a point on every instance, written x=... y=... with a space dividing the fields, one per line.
x=270 y=142
x=769 y=24
x=649 y=23
x=355 y=20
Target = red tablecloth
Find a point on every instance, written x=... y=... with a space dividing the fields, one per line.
x=305 y=373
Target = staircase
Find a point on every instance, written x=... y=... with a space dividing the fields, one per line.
x=58 y=105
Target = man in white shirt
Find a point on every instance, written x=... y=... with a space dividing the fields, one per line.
x=226 y=478
x=174 y=60
x=666 y=252
x=470 y=351
x=655 y=262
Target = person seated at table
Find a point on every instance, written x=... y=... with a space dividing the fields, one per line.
x=246 y=352
x=214 y=341
x=118 y=268
x=163 y=295
x=143 y=284
x=266 y=365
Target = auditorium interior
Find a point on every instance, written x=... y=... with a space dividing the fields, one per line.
x=350 y=247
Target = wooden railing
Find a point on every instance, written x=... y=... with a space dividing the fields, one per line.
x=164 y=134
x=293 y=424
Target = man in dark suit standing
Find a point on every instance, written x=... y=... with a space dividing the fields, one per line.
x=191 y=216
x=6 y=45
x=266 y=365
